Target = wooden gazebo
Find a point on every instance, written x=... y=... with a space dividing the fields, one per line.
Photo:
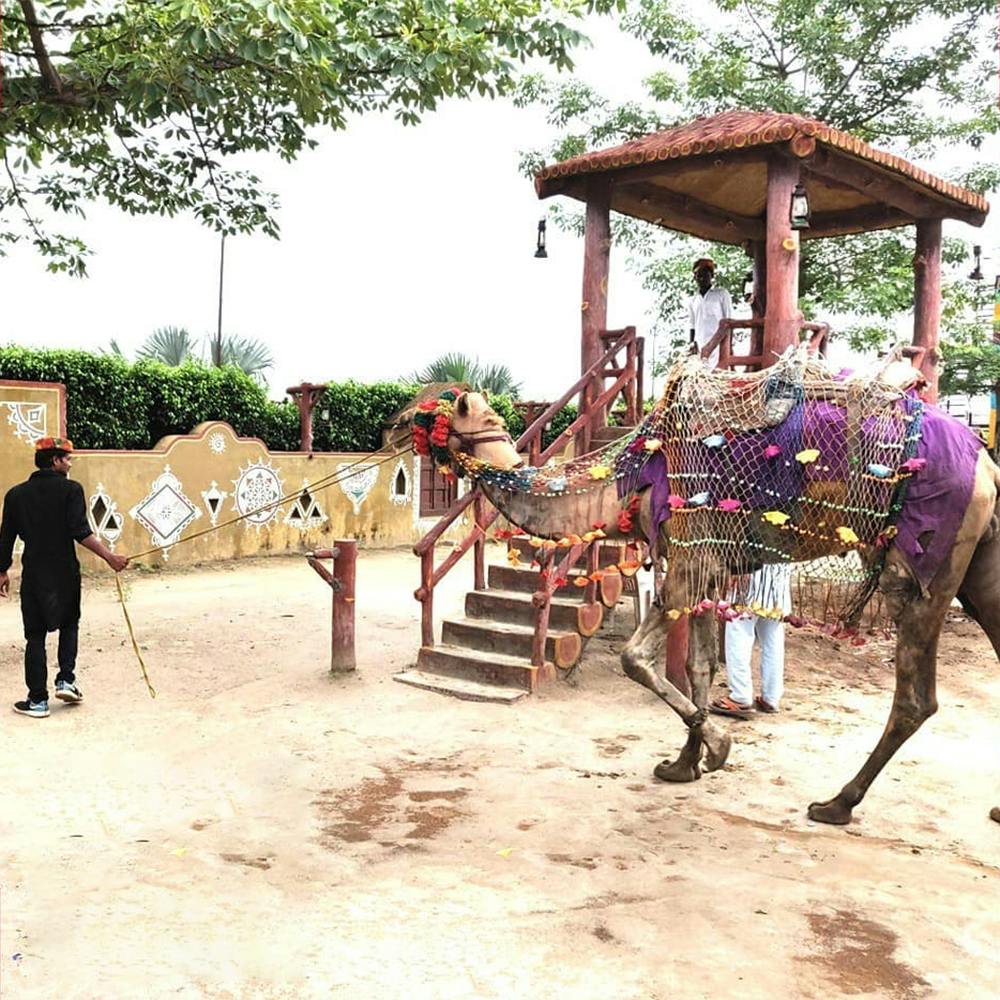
x=730 y=178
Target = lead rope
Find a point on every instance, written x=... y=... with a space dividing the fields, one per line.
x=321 y=484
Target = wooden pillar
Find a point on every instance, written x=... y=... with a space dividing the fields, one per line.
x=781 y=321
x=594 y=303
x=342 y=657
x=341 y=581
x=305 y=397
x=927 y=300
x=758 y=307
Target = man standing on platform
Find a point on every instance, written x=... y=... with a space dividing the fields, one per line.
x=49 y=513
x=707 y=307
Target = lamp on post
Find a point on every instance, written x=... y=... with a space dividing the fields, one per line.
x=799 y=209
x=977 y=271
x=540 y=250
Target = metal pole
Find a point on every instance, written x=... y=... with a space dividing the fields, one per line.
x=217 y=347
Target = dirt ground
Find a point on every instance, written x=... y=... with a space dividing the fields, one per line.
x=263 y=830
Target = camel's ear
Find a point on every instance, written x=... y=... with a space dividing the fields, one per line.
x=462 y=405
x=486 y=394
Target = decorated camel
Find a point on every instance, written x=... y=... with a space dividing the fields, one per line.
x=886 y=507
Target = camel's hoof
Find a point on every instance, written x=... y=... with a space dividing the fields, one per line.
x=995 y=814
x=715 y=759
x=833 y=811
x=676 y=770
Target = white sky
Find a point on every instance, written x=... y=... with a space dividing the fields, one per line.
x=398 y=245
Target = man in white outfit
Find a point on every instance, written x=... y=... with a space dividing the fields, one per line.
x=770 y=587
x=707 y=307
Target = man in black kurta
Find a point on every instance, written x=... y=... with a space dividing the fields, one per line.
x=49 y=514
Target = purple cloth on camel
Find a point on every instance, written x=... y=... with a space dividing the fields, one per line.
x=936 y=497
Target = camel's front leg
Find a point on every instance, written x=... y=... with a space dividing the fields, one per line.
x=640 y=659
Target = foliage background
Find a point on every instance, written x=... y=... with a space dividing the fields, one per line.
x=111 y=403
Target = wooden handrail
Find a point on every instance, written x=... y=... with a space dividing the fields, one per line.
x=817 y=342
x=622 y=338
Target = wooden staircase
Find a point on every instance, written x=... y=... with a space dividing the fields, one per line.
x=486 y=655
x=519 y=628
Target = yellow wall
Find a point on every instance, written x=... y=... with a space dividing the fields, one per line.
x=140 y=499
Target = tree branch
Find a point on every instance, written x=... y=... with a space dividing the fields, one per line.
x=49 y=74
x=29 y=218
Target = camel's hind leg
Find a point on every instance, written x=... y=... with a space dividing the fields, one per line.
x=640 y=657
x=918 y=619
x=980 y=594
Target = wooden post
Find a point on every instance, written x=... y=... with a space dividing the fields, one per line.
x=305 y=397
x=927 y=300
x=426 y=597
x=594 y=304
x=781 y=321
x=342 y=656
x=479 y=556
x=341 y=582
x=675 y=667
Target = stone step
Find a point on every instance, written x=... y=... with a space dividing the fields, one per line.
x=610 y=552
x=515 y=607
x=561 y=648
x=456 y=687
x=526 y=580
x=482 y=666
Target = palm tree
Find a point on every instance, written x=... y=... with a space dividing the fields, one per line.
x=247 y=353
x=458 y=367
x=171 y=345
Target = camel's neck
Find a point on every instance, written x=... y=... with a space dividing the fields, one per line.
x=557 y=516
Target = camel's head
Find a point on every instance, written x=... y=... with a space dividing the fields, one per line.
x=463 y=422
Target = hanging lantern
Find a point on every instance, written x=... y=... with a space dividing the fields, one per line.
x=977 y=271
x=748 y=287
x=540 y=250
x=799 y=212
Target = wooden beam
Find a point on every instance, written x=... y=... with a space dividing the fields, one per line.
x=626 y=176
x=855 y=220
x=927 y=300
x=686 y=214
x=782 y=319
x=881 y=187
x=596 y=266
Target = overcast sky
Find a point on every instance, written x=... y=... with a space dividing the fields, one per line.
x=398 y=244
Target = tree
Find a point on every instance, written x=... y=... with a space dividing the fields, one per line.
x=174 y=346
x=457 y=367
x=912 y=75
x=171 y=345
x=138 y=102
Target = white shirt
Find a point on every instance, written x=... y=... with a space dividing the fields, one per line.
x=704 y=313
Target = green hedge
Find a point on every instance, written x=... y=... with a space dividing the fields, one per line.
x=111 y=403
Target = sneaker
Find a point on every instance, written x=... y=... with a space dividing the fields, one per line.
x=36 y=709
x=68 y=692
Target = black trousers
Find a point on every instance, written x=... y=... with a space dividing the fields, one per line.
x=35 y=665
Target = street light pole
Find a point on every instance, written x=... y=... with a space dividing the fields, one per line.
x=217 y=346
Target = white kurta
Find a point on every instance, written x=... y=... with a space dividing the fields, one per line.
x=704 y=313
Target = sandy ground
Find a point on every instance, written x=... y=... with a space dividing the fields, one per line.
x=265 y=830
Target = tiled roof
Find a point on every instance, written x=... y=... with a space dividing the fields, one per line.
x=733 y=130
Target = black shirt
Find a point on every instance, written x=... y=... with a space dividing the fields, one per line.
x=49 y=513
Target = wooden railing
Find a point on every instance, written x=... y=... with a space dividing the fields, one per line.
x=723 y=340
x=627 y=375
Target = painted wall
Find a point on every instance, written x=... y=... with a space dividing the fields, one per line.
x=138 y=500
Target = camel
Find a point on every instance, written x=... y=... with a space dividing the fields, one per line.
x=970 y=572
